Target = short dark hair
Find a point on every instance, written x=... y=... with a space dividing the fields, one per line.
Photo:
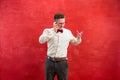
x=58 y=16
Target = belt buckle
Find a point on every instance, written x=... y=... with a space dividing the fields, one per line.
x=53 y=58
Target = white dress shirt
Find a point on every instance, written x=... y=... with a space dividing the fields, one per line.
x=57 y=43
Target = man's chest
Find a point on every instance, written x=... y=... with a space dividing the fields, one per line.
x=63 y=38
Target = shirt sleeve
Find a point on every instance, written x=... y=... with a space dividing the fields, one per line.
x=75 y=40
x=46 y=35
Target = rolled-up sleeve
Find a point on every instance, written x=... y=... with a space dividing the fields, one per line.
x=75 y=40
x=46 y=35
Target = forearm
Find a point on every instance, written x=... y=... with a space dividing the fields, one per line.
x=76 y=41
x=43 y=39
x=46 y=36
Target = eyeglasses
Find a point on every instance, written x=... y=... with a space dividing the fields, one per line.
x=61 y=23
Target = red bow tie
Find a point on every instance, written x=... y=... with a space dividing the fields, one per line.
x=60 y=30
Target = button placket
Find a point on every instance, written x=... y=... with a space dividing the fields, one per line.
x=56 y=42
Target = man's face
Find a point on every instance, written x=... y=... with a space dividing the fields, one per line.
x=60 y=23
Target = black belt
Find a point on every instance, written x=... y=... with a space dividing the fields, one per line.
x=56 y=59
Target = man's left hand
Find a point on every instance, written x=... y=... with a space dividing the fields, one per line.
x=79 y=34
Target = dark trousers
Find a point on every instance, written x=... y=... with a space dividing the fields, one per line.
x=53 y=68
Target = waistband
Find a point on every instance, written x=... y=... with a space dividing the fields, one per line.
x=57 y=59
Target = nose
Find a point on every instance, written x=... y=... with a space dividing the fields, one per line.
x=61 y=25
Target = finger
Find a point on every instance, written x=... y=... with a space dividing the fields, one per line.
x=79 y=32
x=54 y=24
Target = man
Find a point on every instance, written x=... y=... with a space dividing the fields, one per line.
x=58 y=39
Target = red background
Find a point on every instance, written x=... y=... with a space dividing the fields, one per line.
x=22 y=22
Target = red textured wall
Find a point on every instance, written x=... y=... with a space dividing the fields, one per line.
x=22 y=21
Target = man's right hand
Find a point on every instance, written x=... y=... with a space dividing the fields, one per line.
x=55 y=26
